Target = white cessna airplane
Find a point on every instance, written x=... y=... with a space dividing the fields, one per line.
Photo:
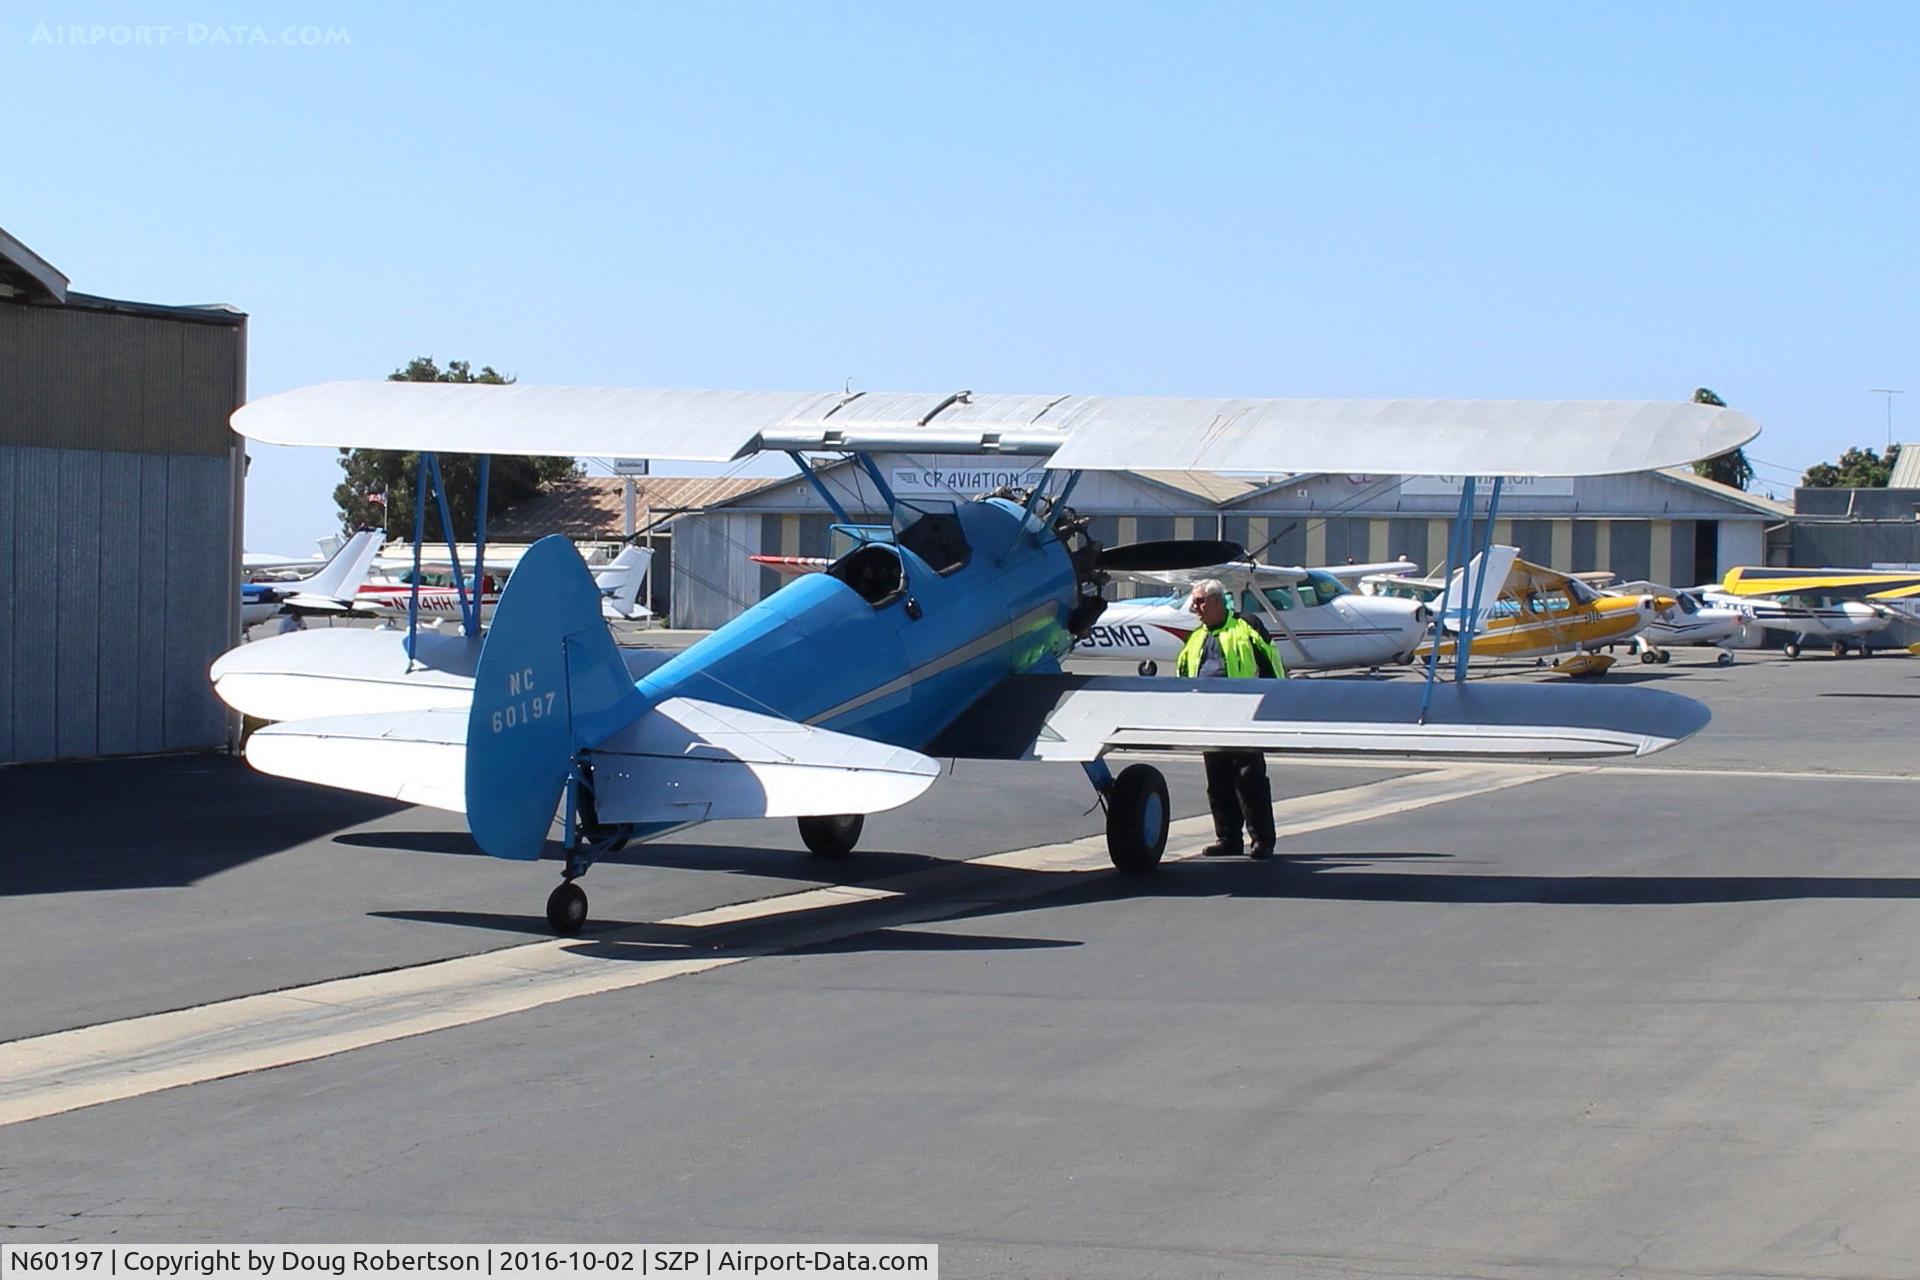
x=1692 y=620
x=1805 y=615
x=1316 y=620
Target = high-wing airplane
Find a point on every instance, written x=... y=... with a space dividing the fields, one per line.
x=327 y=590
x=939 y=636
x=1691 y=620
x=1539 y=612
x=1316 y=621
x=1840 y=606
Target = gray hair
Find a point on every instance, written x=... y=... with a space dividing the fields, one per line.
x=1212 y=587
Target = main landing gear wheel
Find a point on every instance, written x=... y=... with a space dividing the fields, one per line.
x=1137 y=818
x=567 y=909
x=1791 y=649
x=1665 y=655
x=1839 y=648
x=835 y=836
x=1724 y=660
x=1648 y=657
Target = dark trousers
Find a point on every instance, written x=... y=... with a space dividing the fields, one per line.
x=1238 y=792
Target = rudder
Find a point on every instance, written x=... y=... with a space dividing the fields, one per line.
x=550 y=681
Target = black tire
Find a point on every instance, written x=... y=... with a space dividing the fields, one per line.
x=1792 y=650
x=834 y=836
x=1648 y=657
x=1137 y=819
x=1148 y=668
x=567 y=909
x=1724 y=660
x=1665 y=655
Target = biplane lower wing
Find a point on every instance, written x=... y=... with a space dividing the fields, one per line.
x=682 y=761
x=1079 y=718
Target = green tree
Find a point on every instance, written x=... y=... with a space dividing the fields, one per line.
x=373 y=472
x=1856 y=469
x=1731 y=467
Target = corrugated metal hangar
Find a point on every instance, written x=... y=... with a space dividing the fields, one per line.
x=120 y=505
x=1669 y=526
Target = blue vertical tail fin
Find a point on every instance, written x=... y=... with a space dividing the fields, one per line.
x=550 y=681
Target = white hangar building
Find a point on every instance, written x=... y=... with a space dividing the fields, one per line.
x=1670 y=526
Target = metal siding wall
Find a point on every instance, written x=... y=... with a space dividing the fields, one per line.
x=36 y=641
x=1407 y=538
x=1583 y=546
x=105 y=382
x=1632 y=545
x=199 y=579
x=1535 y=540
x=1679 y=567
x=1153 y=528
x=77 y=605
x=1741 y=542
x=9 y=604
x=150 y=621
x=119 y=624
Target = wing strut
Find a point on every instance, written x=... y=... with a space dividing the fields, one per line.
x=1461 y=550
x=432 y=481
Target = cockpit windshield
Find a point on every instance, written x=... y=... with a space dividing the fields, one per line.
x=1580 y=593
x=932 y=531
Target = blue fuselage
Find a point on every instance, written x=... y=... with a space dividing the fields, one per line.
x=894 y=665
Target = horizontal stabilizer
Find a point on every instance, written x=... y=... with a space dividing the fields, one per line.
x=1067 y=717
x=691 y=761
x=417 y=757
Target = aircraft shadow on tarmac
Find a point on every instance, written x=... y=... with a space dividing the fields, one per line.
x=1346 y=877
x=173 y=820
x=630 y=940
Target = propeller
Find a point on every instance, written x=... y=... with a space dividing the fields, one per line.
x=1170 y=555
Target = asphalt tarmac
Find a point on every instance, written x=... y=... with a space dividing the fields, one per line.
x=1657 y=1019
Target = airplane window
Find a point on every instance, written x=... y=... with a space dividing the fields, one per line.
x=1688 y=604
x=1249 y=605
x=873 y=571
x=1321 y=588
x=1581 y=592
x=937 y=538
x=1280 y=598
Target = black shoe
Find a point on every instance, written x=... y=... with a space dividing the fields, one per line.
x=1221 y=849
x=1261 y=851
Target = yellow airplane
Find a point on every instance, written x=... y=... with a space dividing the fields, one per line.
x=1536 y=612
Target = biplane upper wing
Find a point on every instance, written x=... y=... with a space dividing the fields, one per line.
x=1856 y=584
x=1079 y=718
x=1414 y=437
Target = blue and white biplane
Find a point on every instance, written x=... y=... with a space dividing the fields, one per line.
x=937 y=636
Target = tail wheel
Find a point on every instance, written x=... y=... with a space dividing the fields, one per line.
x=1138 y=816
x=834 y=836
x=1149 y=668
x=567 y=909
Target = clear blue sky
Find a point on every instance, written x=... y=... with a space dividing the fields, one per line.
x=1371 y=200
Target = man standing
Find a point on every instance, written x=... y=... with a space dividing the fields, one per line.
x=1225 y=644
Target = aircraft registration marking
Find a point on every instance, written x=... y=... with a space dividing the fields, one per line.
x=67 y=1070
